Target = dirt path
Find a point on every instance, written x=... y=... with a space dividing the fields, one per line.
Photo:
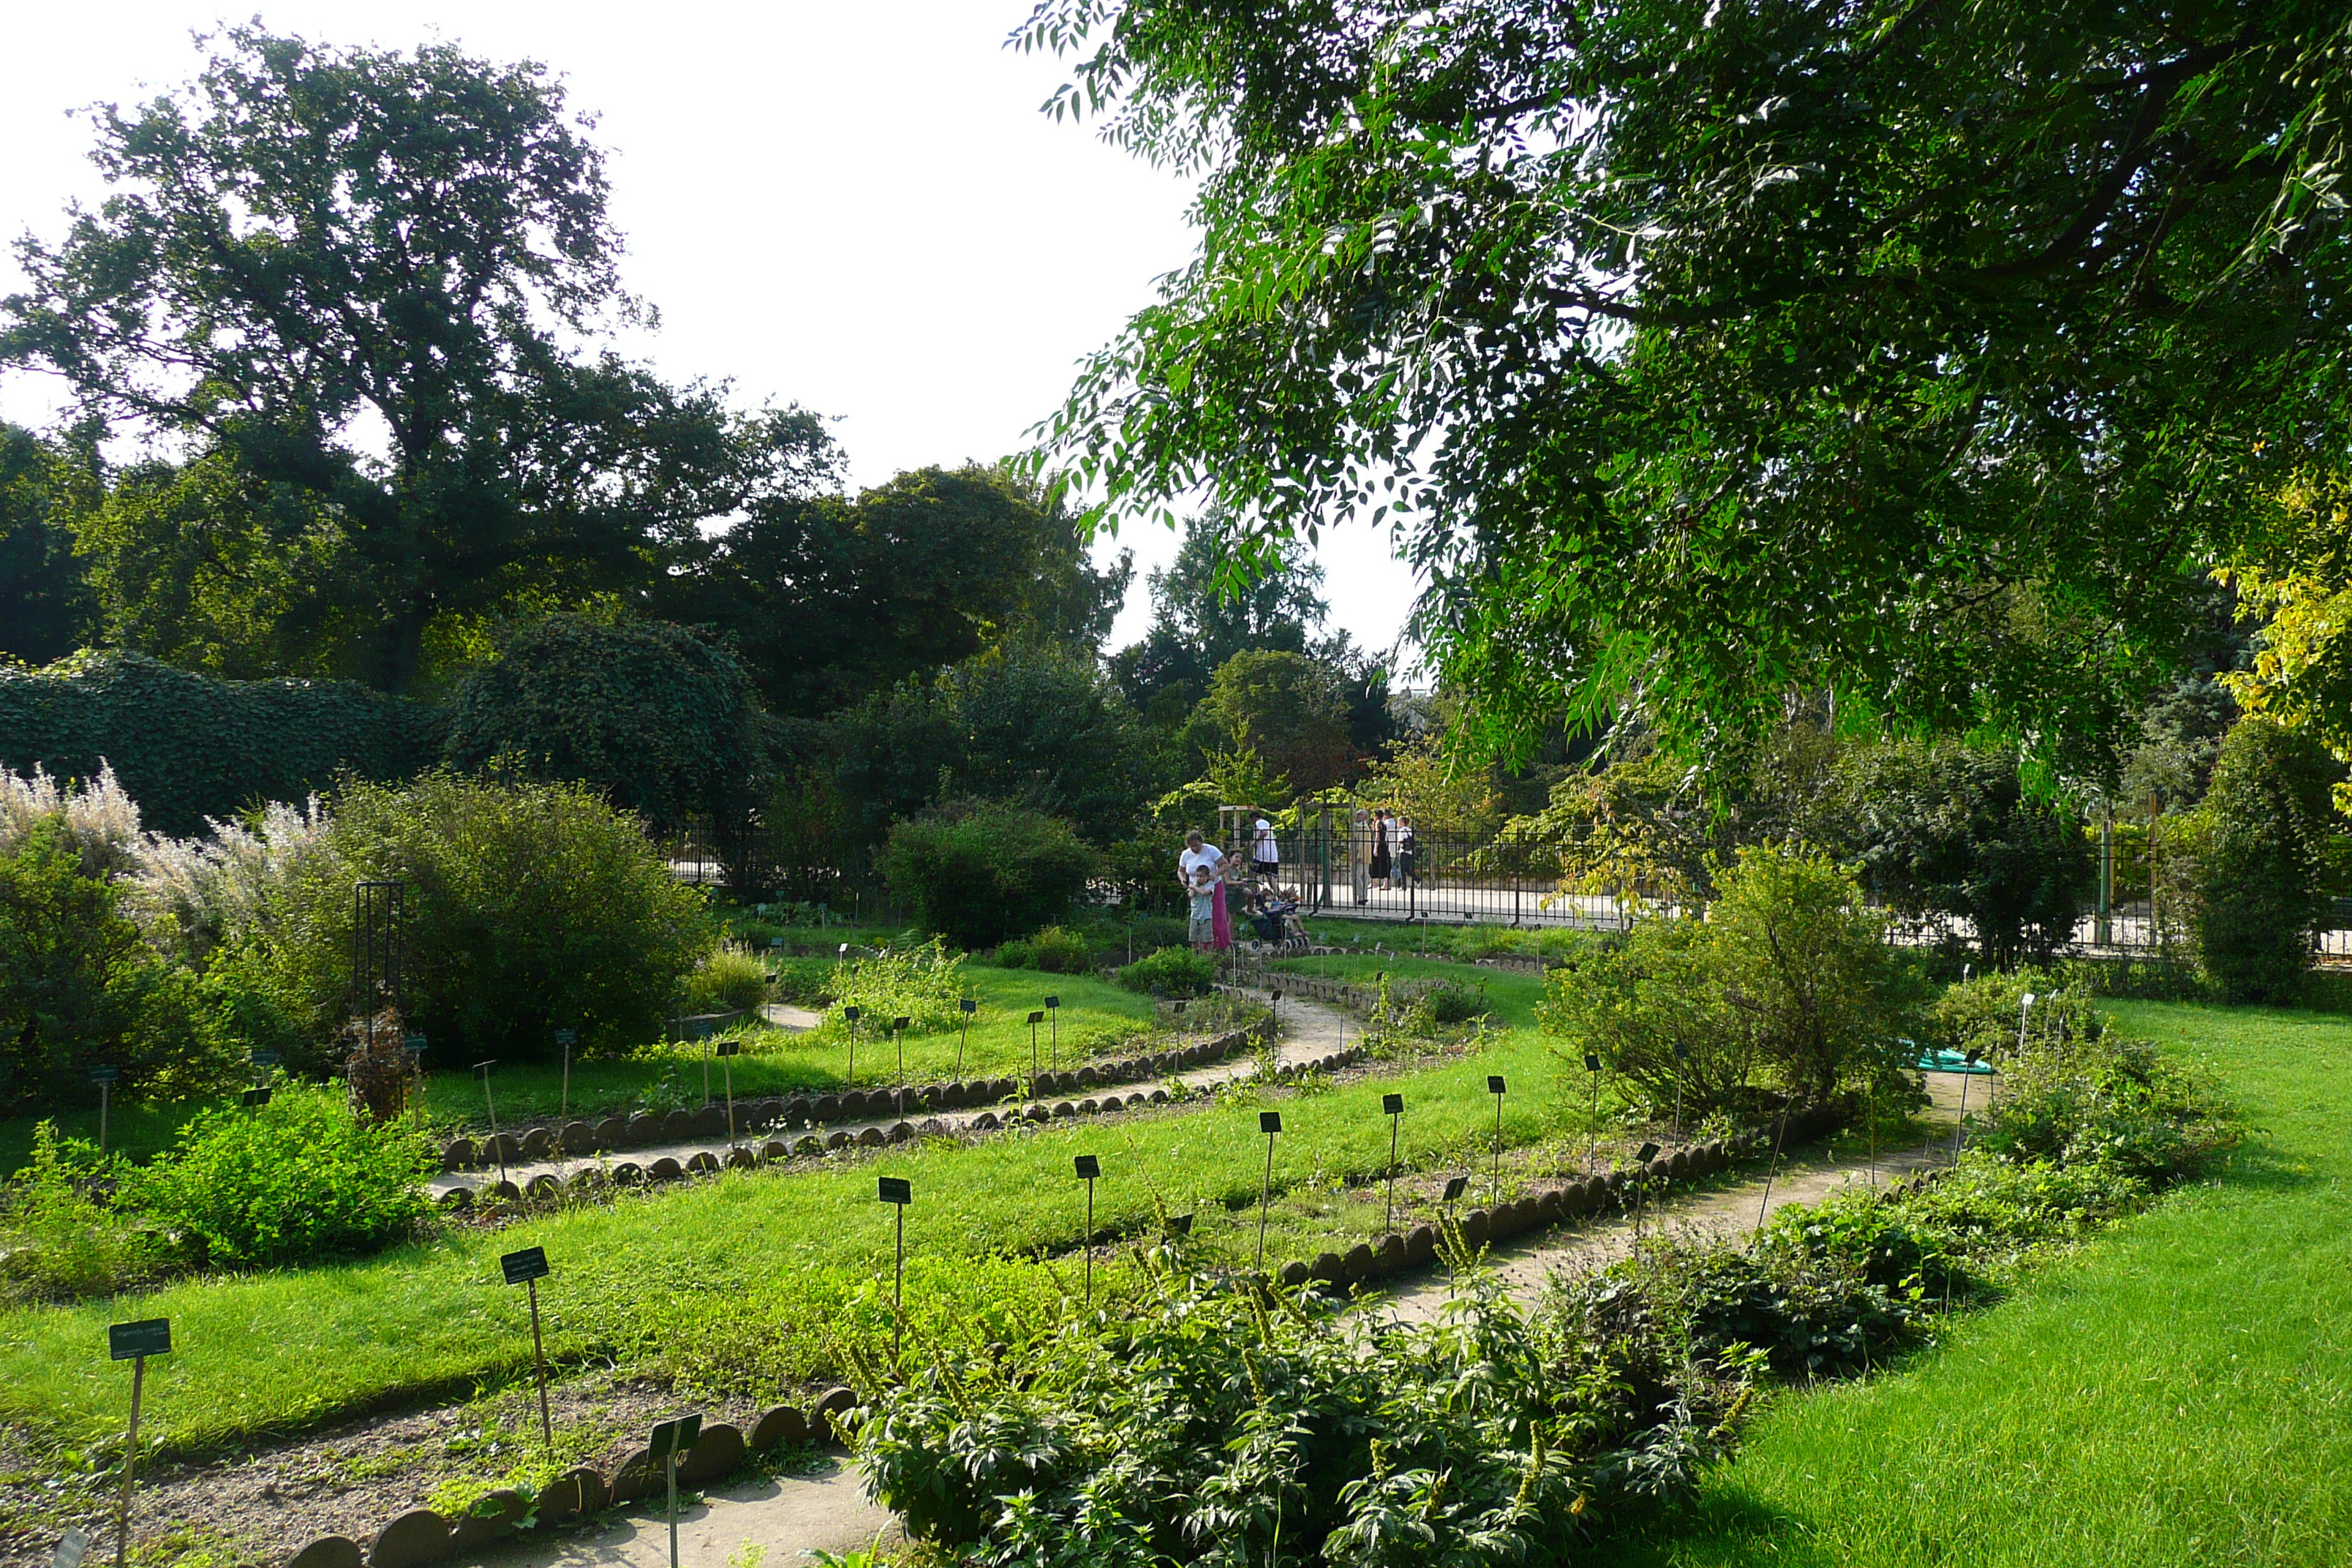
x=1311 y=1033
x=788 y=1518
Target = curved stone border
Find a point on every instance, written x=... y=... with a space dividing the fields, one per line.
x=421 y=1535
x=645 y=1130
x=755 y=1152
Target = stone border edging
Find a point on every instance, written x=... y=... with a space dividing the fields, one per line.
x=421 y=1535
x=755 y=1153
x=644 y=1130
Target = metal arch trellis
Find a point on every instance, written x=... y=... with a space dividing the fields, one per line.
x=378 y=911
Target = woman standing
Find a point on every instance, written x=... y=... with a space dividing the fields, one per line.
x=1381 y=847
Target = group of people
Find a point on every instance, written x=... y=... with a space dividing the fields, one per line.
x=1392 y=849
x=1205 y=872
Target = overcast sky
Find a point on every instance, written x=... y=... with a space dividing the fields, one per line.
x=853 y=206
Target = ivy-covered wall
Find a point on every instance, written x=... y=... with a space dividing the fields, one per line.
x=187 y=746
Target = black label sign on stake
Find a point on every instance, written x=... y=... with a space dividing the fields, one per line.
x=521 y=1267
x=150 y=1336
x=105 y=1075
x=1494 y=1085
x=896 y=1190
x=252 y=1097
x=730 y=1047
x=270 y=1059
x=1089 y=1167
x=671 y=1440
x=1269 y=1121
x=1454 y=1187
x=969 y=1005
x=412 y=1043
x=1392 y=1105
x=1037 y=1018
x=567 y=1037
x=1179 y=1225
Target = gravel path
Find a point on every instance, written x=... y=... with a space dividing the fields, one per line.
x=789 y=1519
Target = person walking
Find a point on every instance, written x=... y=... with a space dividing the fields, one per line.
x=1381 y=847
x=1405 y=848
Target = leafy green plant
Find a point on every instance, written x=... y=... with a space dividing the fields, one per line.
x=1171 y=972
x=978 y=872
x=923 y=983
x=2260 y=880
x=1056 y=950
x=300 y=1177
x=58 y=1241
x=730 y=980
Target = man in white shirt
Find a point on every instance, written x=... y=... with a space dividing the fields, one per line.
x=1266 y=855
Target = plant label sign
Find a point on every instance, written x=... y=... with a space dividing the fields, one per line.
x=900 y=1023
x=252 y=1097
x=1089 y=1167
x=150 y=1336
x=1036 y=1017
x=268 y=1058
x=105 y=1075
x=1053 y=1001
x=567 y=1037
x=412 y=1043
x=1455 y=1187
x=673 y=1439
x=1179 y=1225
x=970 y=1005
x=730 y=1047
x=72 y=1547
x=853 y=1012
x=1592 y=1062
x=1494 y=1085
x=896 y=1190
x=1392 y=1105
x=1645 y=1153
x=482 y=1070
x=522 y=1267
x=1269 y=1121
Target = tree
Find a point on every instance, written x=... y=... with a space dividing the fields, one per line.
x=660 y=723
x=830 y=598
x=2301 y=674
x=1224 y=594
x=978 y=872
x=1714 y=351
x=1034 y=724
x=1288 y=709
x=45 y=601
x=2260 y=894
x=346 y=282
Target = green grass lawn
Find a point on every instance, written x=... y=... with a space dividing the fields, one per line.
x=2178 y=1391
x=743 y=1277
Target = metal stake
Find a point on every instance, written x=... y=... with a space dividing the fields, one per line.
x=849 y=1080
x=899 y=1191
x=1393 y=1105
x=1035 y=1018
x=1592 y=1134
x=538 y=1354
x=1682 y=1055
x=1494 y=1184
x=1270 y=1124
x=482 y=1071
x=130 y=1462
x=1088 y=1168
x=963 y=1031
x=1054 y=1028
x=567 y=1038
x=1962 y=1131
x=1773 y=1168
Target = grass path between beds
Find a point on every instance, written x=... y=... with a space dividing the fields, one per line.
x=2178 y=1391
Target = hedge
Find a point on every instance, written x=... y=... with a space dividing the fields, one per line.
x=188 y=746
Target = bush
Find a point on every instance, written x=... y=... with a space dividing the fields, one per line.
x=2104 y=1100
x=1983 y=1015
x=730 y=981
x=923 y=983
x=1171 y=972
x=300 y=1177
x=80 y=988
x=978 y=872
x=189 y=747
x=1788 y=973
x=658 y=720
x=2261 y=878
x=531 y=907
x=58 y=1241
x=1056 y=950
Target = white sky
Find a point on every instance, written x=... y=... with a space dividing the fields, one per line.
x=854 y=207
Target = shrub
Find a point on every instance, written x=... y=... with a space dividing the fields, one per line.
x=2106 y=1101
x=1056 y=950
x=658 y=720
x=300 y=1177
x=922 y=983
x=80 y=988
x=730 y=980
x=189 y=747
x=1983 y=1013
x=2262 y=878
x=1171 y=972
x=531 y=907
x=977 y=873
x=1635 y=1005
x=58 y=1241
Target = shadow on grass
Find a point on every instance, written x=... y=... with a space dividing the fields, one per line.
x=1718 y=1527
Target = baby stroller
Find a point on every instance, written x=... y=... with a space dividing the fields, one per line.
x=1276 y=920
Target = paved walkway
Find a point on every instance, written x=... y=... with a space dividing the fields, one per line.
x=789 y=1519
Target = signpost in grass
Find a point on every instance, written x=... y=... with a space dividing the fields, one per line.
x=672 y=1441
x=1393 y=1107
x=1682 y=1056
x=899 y=1191
x=1641 y=1158
x=567 y=1038
x=1454 y=1187
x=482 y=1071
x=1053 y=1030
x=105 y=1077
x=1270 y=1124
x=898 y=1036
x=1494 y=1185
x=728 y=1051
x=1035 y=1018
x=1090 y=1169
x=1179 y=1225
x=1592 y=1134
x=527 y=1268
x=968 y=1007
x=851 y=1014
x=1968 y=1071
x=134 y=1342
x=254 y=1099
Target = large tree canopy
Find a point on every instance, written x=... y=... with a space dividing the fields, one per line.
x=1719 y=347
x=355 y=287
